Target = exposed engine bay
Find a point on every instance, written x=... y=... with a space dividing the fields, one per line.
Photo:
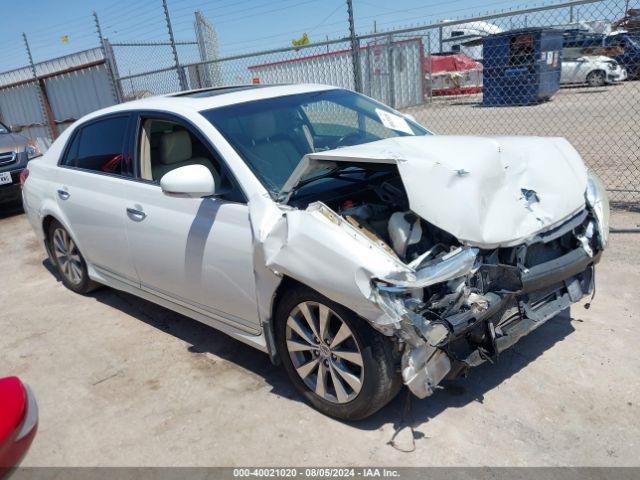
x=465 y=317
x=451 y=304
x=382 y=212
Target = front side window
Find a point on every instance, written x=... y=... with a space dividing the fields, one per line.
x=165 y=145
x=99 y=147
x=3 y=128
x=272 y=135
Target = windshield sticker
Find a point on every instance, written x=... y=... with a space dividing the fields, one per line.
x=394 y=122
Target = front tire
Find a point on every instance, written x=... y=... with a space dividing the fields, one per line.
x=335 y=360
x=596 y=79
x=68 y=260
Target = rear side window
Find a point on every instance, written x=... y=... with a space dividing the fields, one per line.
x=99 y=147
x=72 y=152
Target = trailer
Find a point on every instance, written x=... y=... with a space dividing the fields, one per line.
x=455 y=74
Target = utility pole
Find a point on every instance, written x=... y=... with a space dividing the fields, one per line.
x=109 y=61
x=355 y=49
x=39 y=84
x=181 y=76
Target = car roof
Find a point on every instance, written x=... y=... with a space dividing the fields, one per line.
x=208 y=98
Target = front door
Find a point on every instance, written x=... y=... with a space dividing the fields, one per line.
x=196 y=252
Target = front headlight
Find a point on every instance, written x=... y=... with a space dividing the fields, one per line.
x=32 y=150
x=597 y=199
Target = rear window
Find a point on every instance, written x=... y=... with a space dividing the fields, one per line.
x=99 y=147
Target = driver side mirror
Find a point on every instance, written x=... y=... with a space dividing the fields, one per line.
x=192 y=181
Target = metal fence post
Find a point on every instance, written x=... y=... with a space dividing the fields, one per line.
x=42 y=94
x=391 y=72
x=181 y=76
x=355 y=50
x=109 y=62
x=430 y=63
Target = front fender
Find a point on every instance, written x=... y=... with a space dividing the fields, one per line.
x=320 y=249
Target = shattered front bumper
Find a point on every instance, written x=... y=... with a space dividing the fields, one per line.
x=534 y=308
x=514 y=301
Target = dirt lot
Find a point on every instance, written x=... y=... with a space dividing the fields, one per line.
x=602 y=123
x=120 y=381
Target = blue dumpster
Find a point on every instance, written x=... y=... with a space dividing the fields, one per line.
x=521 y=67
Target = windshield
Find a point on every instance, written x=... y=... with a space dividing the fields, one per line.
x=272 y=135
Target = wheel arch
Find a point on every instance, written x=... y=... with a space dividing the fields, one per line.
x=47 y=220
x=49 y=213
x=287 y=283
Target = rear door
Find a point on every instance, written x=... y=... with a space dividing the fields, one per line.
x=95 y=168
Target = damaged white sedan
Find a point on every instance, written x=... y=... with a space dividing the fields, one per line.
x=324 y=228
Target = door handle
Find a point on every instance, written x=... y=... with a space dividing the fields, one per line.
x=63 y=194
x=137 y=215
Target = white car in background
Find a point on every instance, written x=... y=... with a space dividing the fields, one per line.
x=323 y=228
x=594 y=71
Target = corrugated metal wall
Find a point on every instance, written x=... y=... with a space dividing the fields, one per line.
x=53 y=66
x=74 y=86
x=401 y=89
x=392 y=72
x=77 y=93
x=20 y=108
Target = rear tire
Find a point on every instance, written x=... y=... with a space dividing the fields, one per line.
x=336 y=361
x=68 y=260
x=596 y=79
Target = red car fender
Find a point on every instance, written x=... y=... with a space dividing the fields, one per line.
x=18 y=422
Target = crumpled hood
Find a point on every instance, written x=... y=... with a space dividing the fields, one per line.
x=486 y=191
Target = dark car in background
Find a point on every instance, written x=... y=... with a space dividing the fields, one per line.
x=15 y=151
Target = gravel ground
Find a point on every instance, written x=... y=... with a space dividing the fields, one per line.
x=122 y=382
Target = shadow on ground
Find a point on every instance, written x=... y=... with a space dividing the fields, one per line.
x=455 y=394
x=200 y=338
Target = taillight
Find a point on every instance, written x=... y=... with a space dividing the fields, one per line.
x=24 y=174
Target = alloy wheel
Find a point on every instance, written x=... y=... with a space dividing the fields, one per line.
x=67 y=256
x=596 y=79
x=324 y=352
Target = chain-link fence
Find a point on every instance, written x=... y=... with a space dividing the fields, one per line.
x=513 y=88
x=557 y=70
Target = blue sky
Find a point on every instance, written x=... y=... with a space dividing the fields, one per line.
x=242 y=25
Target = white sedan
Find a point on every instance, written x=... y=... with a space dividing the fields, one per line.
x=595 y=71
x=326 y=229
